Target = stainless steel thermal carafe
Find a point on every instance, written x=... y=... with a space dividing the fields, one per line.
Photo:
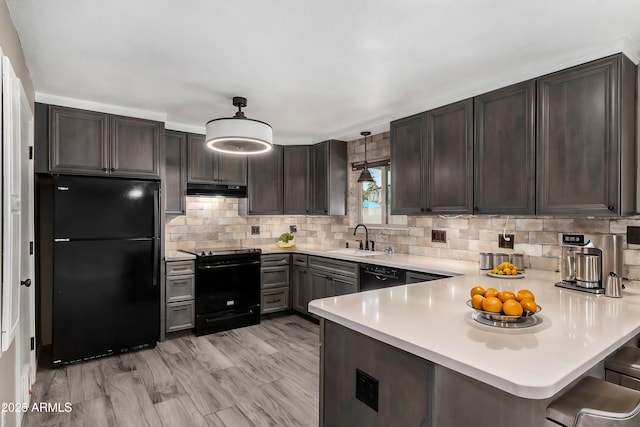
x=588 y=270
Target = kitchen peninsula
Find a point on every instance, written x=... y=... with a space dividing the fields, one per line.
x=417 y=356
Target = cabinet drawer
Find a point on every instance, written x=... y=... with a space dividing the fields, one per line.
x=180 y=315
x=180 y=267
x=345 y=268
x=274 y=259
x=274 y=277
x=180 y=288
x=300 y=260
x=274 y=300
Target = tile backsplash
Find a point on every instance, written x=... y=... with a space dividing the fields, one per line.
x=215 y=222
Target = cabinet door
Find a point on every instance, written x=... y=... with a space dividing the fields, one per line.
x=200 y=161
x=319 y=178
x=408 y=140
x=321 y=285
x=578 y=153
x=449 y=158
x=175 y=172
x=344 y=285
x=78 y=141
x=231 y=170
x=135 y=147
x=264 y=189
x=504 y=151
x=296 y=179
x=299 y=286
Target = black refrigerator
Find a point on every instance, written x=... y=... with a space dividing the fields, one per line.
x=106 y=254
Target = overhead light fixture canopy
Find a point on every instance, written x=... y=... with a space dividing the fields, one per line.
x=365 y=176
x=239 y=134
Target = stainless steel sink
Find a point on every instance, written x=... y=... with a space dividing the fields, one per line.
x=355 y=252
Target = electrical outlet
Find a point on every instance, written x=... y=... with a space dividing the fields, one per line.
x=504 y=243
x=633 y=235
x=367 y=389
x=439 y=236
x=255 y=230
x=293 y=229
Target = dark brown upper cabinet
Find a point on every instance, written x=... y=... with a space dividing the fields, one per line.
x=265 y=183
x=206 y=166
x=586 y=139
x=432 y=161
x=296 y=179
x=175 y=172
x=449 y=159
x=408 y=183
x=329 y=178
x=504 y=150
x=135 y=147
x=92 y=143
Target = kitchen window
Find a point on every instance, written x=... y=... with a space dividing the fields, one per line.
x=375 y=198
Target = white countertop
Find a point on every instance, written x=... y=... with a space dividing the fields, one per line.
x=432 y=321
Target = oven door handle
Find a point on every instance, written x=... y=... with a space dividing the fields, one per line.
x=215 y=267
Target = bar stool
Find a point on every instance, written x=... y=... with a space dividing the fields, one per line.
x=623 y=367
x=596 y=403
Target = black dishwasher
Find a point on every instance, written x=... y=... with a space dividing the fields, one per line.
x=378 y=277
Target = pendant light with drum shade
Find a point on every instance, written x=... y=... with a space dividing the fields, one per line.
x=239 y=135
x=365 y=176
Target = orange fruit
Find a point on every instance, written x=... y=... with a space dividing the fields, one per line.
x=529 y=305
x=491 y=292
x=506 y=295
x=492 y=304
x=477 y=290
x=512 y=308
x=476 y=301
x=514 y=272
x=524 y=293
x=507 y=271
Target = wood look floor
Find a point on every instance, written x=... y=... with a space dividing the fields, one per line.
x=261 y=375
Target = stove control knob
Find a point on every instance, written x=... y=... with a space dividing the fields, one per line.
x=202 y=254
x=210 y=252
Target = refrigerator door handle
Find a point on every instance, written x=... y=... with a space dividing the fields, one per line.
x=156 y=213
x=156 y=257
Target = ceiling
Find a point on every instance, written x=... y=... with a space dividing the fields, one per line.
x=312 y=69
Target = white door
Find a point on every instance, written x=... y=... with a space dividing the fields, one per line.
x=11 y=210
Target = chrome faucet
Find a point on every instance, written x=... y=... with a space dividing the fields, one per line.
x=366 y=235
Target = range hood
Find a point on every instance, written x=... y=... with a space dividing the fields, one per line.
x=238 y=191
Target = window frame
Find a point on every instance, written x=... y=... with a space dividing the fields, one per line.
x=386 y=169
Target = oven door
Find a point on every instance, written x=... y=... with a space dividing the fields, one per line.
x=227 y=283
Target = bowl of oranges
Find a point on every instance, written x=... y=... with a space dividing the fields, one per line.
x=506 y=270
x=503 y=306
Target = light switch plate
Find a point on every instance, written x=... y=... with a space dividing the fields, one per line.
x=439 y=236
x=255 y=230
x=293 y=229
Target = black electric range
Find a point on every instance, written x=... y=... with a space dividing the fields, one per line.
x=227 y=288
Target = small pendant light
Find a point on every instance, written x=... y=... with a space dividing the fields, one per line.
x=365 y=176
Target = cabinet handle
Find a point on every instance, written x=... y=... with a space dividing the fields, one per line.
x=611 y=207
x=180 y=309
x=113 y=169
x=181 y=268
x=428 y=209
x=273 y=301
x=475 y=208
x=104 y=169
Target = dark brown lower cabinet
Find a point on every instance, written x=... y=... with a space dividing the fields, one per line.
x=349 y=360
